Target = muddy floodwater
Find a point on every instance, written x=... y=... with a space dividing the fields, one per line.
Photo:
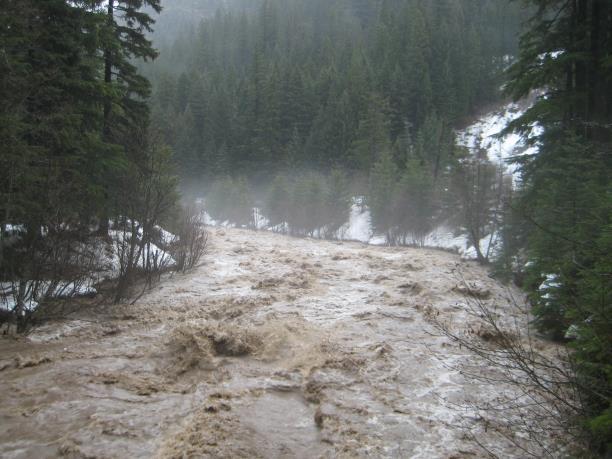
x=276 y=347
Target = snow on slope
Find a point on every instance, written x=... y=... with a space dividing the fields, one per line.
x=359 y=226
x=484 y=134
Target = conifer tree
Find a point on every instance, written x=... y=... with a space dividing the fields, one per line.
x=51 y=140
x=50 y=95
x=382 y=186
x=413 y=202
x=372 y=136
x=125 y=39
x=565 y=204
x=122 y=39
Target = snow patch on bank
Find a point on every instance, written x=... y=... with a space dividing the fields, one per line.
x=36 y=291
x=485 y=134
x=359 y=226
x=104 y=264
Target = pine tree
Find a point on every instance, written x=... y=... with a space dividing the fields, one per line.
x=565 y=204
x=278 y=201
x=183 y=89
x=372 y=136
x=383 y=181
x=122 y=39
x=50 y=95
x=435 y=144
x=125 y=39
x=418 y=56
x=413 y=202
x=336 y=203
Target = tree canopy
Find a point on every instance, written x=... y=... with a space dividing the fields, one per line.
x=326 y=83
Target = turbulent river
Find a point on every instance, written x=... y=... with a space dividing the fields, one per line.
x=274 y=347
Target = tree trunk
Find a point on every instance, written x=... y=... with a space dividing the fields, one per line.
x=108 y=70
x=103 y=227
x=19 y=310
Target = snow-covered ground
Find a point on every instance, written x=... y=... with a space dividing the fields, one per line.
x=484 y=134
x=104 y=264
x=36 y=291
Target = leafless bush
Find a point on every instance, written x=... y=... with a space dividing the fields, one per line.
x=537 y=398
x=138 y=256
x=147 y=197
x=192 y=239
x=57 y=262
x=481 y=188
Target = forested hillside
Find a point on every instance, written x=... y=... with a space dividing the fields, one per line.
x=184 y=16
x=329 y=83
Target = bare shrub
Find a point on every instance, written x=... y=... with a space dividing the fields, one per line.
x=147 y=196
x=481 y=188
x=55 y=262
x=192 y=239
x=137 y=255
x=537 y=404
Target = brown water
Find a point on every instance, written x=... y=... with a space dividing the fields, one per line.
x=276 y=347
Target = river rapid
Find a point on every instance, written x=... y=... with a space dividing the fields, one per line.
x=275 y=347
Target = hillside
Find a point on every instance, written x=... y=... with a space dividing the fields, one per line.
x=179 y=16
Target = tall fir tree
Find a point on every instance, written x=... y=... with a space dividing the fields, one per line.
x=566 y=203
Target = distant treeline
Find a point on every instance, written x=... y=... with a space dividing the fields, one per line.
x=328 y=83
x=405 y=205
